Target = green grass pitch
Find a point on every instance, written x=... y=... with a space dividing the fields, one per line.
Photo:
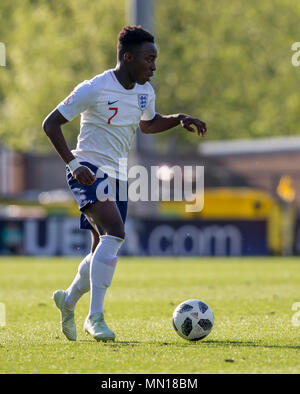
x=255 y=331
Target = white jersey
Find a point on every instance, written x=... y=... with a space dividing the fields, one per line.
x=110 y=115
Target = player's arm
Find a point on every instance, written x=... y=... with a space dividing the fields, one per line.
x=165 y=122
x=52 y=127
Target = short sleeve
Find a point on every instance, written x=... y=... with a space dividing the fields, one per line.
x=78 y=101
x=149 y=112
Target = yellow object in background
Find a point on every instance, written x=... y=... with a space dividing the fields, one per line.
x=224 y=203
x=285 y=189
x=246 y=204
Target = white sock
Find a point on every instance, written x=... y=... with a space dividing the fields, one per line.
x=80 y=284
x=102 y=269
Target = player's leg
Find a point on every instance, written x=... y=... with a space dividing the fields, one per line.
x=81 y=282
x=104 y=216
x=94 y=240
x=101 y=215
x=66 y=300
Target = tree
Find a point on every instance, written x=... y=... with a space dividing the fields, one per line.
x=228 y=63
x=51 y=47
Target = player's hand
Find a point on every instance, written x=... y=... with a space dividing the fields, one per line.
x=84 y=176
x=187 y=122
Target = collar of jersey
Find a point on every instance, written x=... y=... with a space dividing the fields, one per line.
x=120 y=85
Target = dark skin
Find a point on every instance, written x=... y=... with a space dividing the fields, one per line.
x=133 y=67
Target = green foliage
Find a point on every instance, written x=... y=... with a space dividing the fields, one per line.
x=51 y=47
x=228 y=63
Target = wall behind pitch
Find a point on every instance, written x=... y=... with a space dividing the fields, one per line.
x=61 y=236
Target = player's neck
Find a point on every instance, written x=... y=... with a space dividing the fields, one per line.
x=123 y=77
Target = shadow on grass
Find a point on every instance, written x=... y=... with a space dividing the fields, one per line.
x=216 y=343
x=207 y=343
x=113 y=343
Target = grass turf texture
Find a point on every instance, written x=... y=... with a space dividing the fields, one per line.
x=251 y=299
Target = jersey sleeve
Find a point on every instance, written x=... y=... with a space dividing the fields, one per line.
x=79 y=100
x=149 y=112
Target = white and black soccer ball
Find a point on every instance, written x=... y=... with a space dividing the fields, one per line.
x=193 y=320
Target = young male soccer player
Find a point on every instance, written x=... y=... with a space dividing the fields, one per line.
x=112 y=106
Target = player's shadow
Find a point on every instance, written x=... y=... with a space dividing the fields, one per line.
x=208 y=343
x=216 y=343
x=113 y=343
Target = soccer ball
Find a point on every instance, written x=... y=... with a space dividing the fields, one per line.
x=193 y=320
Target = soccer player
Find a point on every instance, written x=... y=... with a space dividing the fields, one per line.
x=112 y=106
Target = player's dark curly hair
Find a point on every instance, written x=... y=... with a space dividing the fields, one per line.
x=132 y=36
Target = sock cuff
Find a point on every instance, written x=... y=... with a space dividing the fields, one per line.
x=109 y=245
x=112 y=237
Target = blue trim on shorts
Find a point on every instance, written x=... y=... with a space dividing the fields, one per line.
x=86 y=195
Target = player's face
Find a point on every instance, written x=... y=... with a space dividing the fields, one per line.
x=143 y=64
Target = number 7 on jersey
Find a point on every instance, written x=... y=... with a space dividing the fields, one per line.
x=115 y=109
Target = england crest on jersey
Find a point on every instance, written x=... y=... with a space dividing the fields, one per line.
x=142 y=100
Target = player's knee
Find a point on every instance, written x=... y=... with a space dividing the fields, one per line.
x=120 y=233
x=117 y=230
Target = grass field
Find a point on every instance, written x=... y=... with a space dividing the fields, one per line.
x=251 y=298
